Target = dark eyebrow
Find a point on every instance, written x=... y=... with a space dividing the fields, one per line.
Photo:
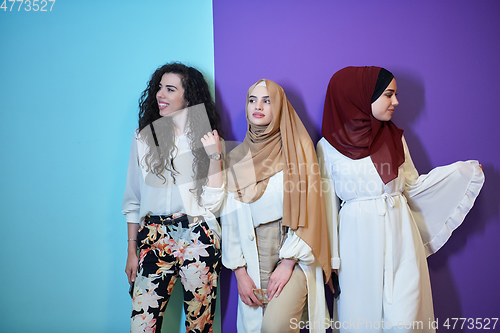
x=169 y=85
x=390 y=90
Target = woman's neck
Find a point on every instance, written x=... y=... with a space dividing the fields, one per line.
x=180 y=120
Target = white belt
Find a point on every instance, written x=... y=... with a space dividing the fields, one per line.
x=387 y=198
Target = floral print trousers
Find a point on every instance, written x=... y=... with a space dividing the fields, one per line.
x=189 y=251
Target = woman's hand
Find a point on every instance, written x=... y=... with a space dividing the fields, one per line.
x=131 y=267
x=211 y=142
x=132 y=260
x=246 y=287
x=280 y=277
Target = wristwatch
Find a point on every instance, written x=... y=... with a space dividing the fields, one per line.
x=215 y=156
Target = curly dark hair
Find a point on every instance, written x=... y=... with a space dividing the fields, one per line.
x=196 y=92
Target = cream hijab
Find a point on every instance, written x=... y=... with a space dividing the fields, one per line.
x=285 y=145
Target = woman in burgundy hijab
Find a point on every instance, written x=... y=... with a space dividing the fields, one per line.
x=390 y=219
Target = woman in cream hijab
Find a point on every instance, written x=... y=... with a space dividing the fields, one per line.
x=275 y=235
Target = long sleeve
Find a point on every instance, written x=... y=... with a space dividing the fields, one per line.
x=132 y=196
x=295 y=248
x=441 y=199
x=232 y=252
x=212 y=197
x=332 y=202
x=145 y=193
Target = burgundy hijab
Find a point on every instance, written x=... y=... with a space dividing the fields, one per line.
x=349 y=126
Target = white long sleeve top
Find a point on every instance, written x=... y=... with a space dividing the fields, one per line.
x=146 y=193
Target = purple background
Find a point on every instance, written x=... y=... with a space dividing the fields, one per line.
x=444 y=55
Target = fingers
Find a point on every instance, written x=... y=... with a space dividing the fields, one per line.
x=255 y=301
x=131 y=275
x=250 y=299
x=211 y=135
x=217 y=140
x=246 y=287
x=275 y=292
x=211 y=142
x=206 y=138
x=274 y=288
x=134 y=274
x=128 y=271
x=279 y=278
x=271 y=289
x=131 y=270
x=278 y=292
x=211 y=138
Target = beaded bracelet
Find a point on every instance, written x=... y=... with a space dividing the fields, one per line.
x=130 y=239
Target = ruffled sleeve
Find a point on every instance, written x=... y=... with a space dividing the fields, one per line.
x=441 y=199
x=332 y=202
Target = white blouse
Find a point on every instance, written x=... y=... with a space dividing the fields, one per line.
x=269 y=207
x=242 y=218
x=146 y=193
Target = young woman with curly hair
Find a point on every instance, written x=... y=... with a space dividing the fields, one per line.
x=174 y=190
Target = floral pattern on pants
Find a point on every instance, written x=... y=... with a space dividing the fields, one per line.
x=166 y=253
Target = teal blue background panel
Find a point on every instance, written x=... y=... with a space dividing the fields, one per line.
x=70 y=80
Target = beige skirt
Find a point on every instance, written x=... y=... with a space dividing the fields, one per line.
x=270 y=238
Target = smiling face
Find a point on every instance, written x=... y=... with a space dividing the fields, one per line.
x=170 y=96
x=383 y=107
x=259 y=106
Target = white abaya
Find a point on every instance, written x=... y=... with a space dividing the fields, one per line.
x=386 y=232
